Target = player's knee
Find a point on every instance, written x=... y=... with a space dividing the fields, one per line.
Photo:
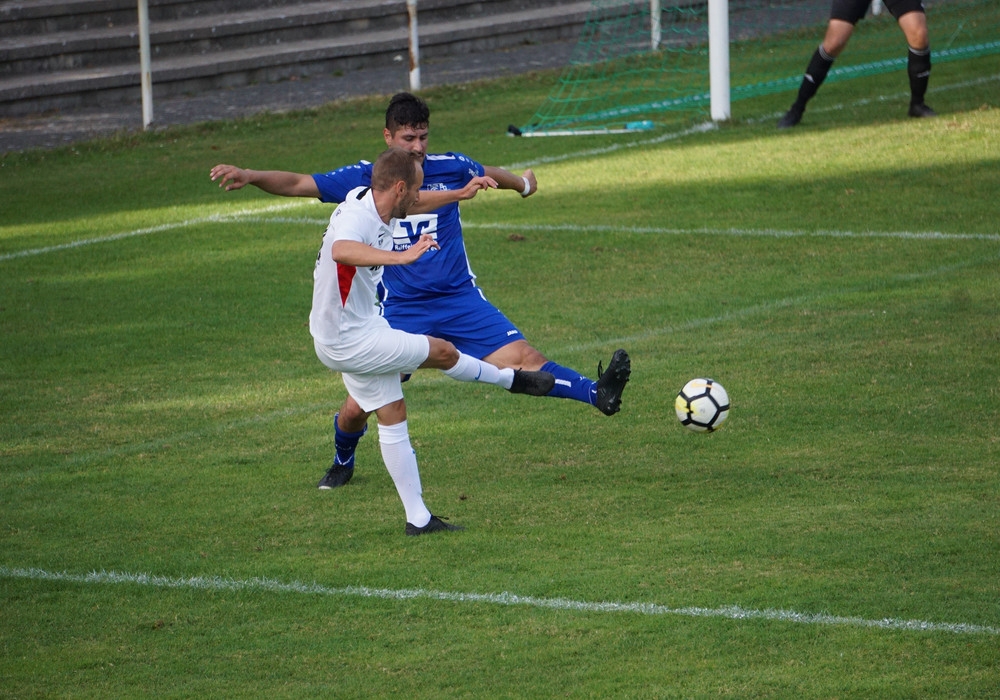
x=838 y=33
x=914 y=26
x=517 y=355
x=351 y=417
x=392 y=413
x=442 y=354
x=531 y=359
x=834 y=47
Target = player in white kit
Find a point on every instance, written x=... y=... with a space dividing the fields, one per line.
x=351 y=336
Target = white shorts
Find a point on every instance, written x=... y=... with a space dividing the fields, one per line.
x=370 y=361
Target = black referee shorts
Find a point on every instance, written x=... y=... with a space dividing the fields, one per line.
x=853 y=10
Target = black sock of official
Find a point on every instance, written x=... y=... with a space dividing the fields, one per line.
x=819 y=66
x=918 y=66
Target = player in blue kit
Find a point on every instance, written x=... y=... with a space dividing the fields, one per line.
x=437 y=295
x=351 y=337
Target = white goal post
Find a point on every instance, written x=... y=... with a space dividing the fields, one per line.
x=718 y=52
x=145 y=70
x=718 y=59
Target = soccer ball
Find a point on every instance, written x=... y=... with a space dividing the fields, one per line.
x=702 y=405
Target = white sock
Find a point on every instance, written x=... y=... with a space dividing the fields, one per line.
x=401 y=463
x=469 y=369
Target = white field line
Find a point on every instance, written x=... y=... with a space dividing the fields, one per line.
x=588 y=153
x=265 y=585
x=170 y=226
x=747 y=232
x=655 y=230
x=258 y=216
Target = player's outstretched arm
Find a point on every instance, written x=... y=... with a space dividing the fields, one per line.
x=279 y=182
x=435 y=199
x=358 y=254
x=526 y=184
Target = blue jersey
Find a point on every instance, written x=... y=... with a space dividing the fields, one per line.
x=437 y=272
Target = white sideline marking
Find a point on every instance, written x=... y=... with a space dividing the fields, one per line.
x=600 y=228
x=764 y=233
x=255 y=216
x=731 y=612
x=220 y=218
x=662 y=138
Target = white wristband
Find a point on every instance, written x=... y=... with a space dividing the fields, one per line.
x=527 y=187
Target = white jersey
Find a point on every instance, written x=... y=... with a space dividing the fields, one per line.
x=345 y=297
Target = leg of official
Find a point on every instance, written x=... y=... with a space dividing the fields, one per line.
x=838 y=33
x=918 y=65
x=401 y=461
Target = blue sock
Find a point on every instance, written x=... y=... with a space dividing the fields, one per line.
x=346 y=443
x=571 y=384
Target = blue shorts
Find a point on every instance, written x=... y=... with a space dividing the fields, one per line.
x=466 y=319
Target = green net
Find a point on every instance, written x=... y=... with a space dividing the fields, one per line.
x=616 y=80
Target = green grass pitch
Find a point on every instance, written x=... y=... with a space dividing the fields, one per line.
x=164 y=421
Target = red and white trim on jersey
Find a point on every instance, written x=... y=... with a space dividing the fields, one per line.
x=346 y=297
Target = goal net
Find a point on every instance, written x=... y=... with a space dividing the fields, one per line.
x=628 y=69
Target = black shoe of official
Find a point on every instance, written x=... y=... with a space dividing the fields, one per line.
x=532 y=383
x=792 y=117
x=436 y=524
x=920 y=110
x=611 y=383
x=337 y=475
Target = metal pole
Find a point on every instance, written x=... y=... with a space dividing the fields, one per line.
x=718 y=58
x=654 y=24
x=411 y=9
x=146 y=73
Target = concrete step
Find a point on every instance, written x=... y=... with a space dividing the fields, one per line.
x=20 y=18
x=118 y=45
x=196 y=54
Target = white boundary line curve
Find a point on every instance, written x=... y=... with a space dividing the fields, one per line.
x=662 y=138
x=730 y=612
x=218 y=218
x=258 y=216
x=762 y=233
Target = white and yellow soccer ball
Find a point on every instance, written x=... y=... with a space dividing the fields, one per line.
x=702 y=405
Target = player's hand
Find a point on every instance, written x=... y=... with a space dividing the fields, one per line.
x=475 y=185
x=424 y=243
x=230 y=177
x=529 y=175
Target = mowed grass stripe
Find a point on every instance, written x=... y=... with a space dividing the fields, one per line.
x=652 y=333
